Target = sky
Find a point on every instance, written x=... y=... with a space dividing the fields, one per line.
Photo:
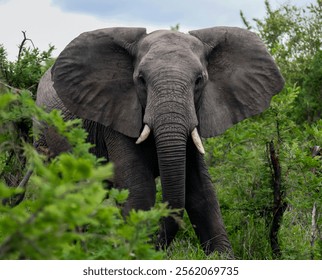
x=57 y=22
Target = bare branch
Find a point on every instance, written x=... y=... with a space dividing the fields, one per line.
x=13 y=89
x=279 y=205
x=313 y=230
x=21 y=46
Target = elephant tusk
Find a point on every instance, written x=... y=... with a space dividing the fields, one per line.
x=144 y=135
x=196 y=139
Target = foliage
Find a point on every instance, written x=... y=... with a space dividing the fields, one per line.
x=65 y=214
x=24 y=73
x=311 y=97
x=293 y=36
x=176 y=27
x=241 y=171
x=239 y=160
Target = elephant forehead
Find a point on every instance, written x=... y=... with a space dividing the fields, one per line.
x=166 y=49
x=167 y=42
x=170 y=61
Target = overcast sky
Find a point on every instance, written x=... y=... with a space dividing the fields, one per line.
x=57 y=22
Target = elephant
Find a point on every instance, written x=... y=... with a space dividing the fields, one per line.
x=148 y=99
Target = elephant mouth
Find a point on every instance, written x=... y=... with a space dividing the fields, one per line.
x=194 y=135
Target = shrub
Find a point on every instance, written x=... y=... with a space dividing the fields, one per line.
x=64 y=213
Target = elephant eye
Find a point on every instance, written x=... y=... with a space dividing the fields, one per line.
x=142 y=80
x=198 y=80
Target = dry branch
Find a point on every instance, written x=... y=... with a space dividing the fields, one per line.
x=279 y=206
x=21 y=46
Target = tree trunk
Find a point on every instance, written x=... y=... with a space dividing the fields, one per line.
x=279 y=205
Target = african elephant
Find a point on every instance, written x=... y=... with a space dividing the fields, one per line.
x=147 y=98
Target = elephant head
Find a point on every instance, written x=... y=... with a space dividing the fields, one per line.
x=169 y=85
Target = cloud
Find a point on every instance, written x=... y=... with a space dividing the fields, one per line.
x=45 y=24
x=189 y=13
x=57 y=22
x=201 y=13
x=142 y=10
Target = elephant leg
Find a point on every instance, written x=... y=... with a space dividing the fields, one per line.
x=202 y=206
x=133 y=170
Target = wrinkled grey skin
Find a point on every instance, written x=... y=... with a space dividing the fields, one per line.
x=119 y=79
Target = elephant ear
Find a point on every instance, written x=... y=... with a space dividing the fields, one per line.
x=93 y=76
x=242 y=78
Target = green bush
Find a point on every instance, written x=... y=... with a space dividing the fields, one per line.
x=65 y=213
x=241 y=170
x=26 y=71
x=23 y=73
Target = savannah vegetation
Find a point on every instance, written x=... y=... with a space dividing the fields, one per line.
x=267 y=170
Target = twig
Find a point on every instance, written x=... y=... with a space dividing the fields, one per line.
x=20 y=197
x=21 y=46
x=14 y=90
x=313 y=230
x=25 y=179
x=316 y=151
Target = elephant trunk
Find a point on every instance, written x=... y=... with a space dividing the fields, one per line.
x=171 y=115
x=171 y=143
